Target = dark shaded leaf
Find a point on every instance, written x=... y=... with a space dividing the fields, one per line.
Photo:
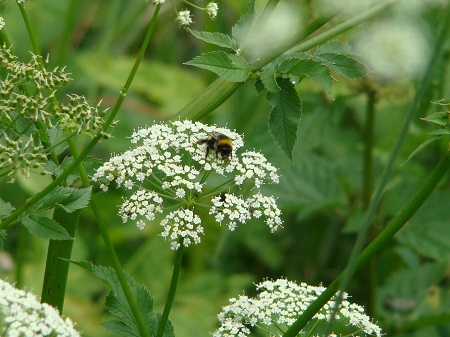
x=285 y=116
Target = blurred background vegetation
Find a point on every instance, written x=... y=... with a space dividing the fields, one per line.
x=322 y=192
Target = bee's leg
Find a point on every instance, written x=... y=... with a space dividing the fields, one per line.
x=207 y=152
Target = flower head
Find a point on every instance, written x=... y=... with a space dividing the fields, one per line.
x=21 y=314
x=169 y=167
x=279 y=303
x=211 y=9
x=2 y=23
x=184 y=18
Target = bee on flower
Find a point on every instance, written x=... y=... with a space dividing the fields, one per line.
x=169 y=166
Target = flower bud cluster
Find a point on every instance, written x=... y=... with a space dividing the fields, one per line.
x=78 y=116
x=167 y=167
x=21 y=314
x=20 y=155
x=27 y=96
x=278 y=305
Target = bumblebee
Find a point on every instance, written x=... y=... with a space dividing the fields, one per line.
x=219 y=143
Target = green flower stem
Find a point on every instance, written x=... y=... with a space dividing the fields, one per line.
x=220 y=90
x=29 y=29
x=376 y=245
x=172 y=290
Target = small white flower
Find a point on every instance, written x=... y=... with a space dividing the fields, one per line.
x=184 y=18
x=21 y=314
x=167 y=167
x=280 y=303
x=157 y=2
x=211 y=9
x=2 y=23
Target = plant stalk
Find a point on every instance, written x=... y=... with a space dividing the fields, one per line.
x=172 y=291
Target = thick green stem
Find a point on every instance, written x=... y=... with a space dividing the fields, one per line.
x=172 y=290
x=376 y=245
x=57 y=266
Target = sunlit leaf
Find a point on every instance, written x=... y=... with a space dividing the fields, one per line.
x=218 y=39
x=231 y=67
x=45 y=228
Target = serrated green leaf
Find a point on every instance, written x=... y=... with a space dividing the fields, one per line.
x=439 y=118
x=269 y=80
x=333 y=47
x=45 y=228
x=70 y=199
x=120 y=328
x=344 y=64
x=285 y=116
x=231 y=67
x=242 y=28
x=84 y=264
x=5 y=209
x=77 y=199
x=117 y=304
x=259 y=86
x=313 y=70
x=218 y=39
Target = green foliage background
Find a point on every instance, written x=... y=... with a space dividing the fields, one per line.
x=406 y=288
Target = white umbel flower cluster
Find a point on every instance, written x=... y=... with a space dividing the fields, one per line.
x=168 y=168
x=278 y=305
x=21 y=314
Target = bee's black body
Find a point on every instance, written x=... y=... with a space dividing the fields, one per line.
x=219 y=143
